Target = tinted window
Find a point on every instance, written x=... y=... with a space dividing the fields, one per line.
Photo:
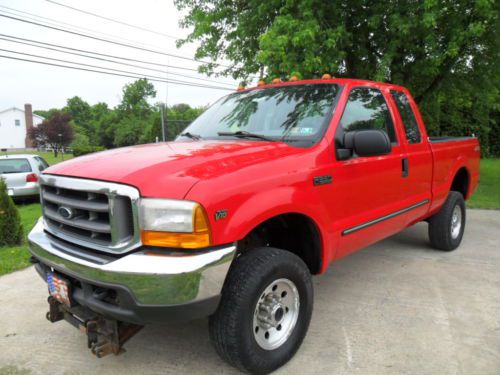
x=14 y=166
x=294 y=113
x=366 y=109
x=408 y=117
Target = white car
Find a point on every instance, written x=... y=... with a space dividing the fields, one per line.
x=21 y=173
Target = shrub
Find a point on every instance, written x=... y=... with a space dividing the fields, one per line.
x=11 y=230
x=83 y=150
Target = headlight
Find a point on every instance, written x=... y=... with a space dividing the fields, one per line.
x=174 y=223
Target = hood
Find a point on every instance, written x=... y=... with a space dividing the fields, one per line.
x=170 y=169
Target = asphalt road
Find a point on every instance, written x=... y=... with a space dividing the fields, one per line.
x=397 y=307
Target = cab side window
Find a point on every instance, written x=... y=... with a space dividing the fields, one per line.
x=366 y=108
x=408 y=117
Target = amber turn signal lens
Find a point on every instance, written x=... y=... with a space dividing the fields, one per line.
x=177 y=240
x=200 y=237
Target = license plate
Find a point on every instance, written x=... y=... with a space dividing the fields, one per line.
x=59 y=288
x=10 y=192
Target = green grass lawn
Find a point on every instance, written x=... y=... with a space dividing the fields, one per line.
x=487 y=196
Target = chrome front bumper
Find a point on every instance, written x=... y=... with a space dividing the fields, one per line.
x=159 y=279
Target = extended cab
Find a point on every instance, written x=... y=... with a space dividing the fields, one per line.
x=266 y=188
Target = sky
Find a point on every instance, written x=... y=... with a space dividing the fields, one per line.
x=49 y=87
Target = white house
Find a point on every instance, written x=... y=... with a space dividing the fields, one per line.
x=14 y=125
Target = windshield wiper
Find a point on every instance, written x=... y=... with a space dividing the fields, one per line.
x=244 y=134
x=196 y=137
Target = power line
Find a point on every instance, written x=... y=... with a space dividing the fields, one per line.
x=115 y=74
x=114 y=61
x=109 y=41
x=100 y=54
x=58 y=23
x=98 y=67
x=112 y=20
x=36 y=17
x=77 y=63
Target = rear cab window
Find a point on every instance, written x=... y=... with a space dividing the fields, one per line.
x=407 y=116
x=14 y=166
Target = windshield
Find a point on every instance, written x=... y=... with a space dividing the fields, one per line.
x=295 y=113
x=14 y=166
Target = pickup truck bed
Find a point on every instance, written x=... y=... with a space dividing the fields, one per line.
x=450 y=154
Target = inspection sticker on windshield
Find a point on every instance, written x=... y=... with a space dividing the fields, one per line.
x=306 y=131
x=10 y=192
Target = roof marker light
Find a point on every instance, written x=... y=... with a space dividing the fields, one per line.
x=294 y=78
x=326 y=76
x=277 y=80
x=261 y=83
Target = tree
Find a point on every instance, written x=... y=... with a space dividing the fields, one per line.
x=11 y=230
x=132 y=116
x=79 y=110
x=55 y=132
x=81 y=116
x=102 y=119
x=46 y=114
x=135 y=98
x=436 y=48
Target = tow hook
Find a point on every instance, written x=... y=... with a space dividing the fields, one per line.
x=104 y=336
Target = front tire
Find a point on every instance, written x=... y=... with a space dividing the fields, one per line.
x=265 y=310
x=446 y=228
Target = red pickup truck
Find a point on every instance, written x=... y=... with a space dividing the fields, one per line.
x=266 y=188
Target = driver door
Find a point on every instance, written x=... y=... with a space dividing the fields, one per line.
x=369 y=188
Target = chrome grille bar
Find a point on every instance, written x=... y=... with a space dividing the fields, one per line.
x=79 y=222
x=95 y=214
x=76 y=203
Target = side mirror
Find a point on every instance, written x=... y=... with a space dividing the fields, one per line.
x=365 y=143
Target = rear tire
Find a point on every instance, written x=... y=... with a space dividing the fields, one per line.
x=264 y=312
x=446 y=228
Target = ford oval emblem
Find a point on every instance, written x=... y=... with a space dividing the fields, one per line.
x=65 y=212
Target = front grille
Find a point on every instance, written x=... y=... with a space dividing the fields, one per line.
x=90 y=213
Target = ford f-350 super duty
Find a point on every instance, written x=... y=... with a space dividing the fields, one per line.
x=266 y=188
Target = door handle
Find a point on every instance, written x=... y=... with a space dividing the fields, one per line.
x=404 y=167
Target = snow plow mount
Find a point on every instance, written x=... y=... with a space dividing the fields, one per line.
x=104 y=336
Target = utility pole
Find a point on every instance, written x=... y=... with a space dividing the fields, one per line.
x=162 y=123
x=61 y=146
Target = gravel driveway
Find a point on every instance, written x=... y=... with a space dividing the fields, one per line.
x=396 y=307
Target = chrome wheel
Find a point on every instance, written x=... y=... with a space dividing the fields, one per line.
x=456 y=222
x=276 y=314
